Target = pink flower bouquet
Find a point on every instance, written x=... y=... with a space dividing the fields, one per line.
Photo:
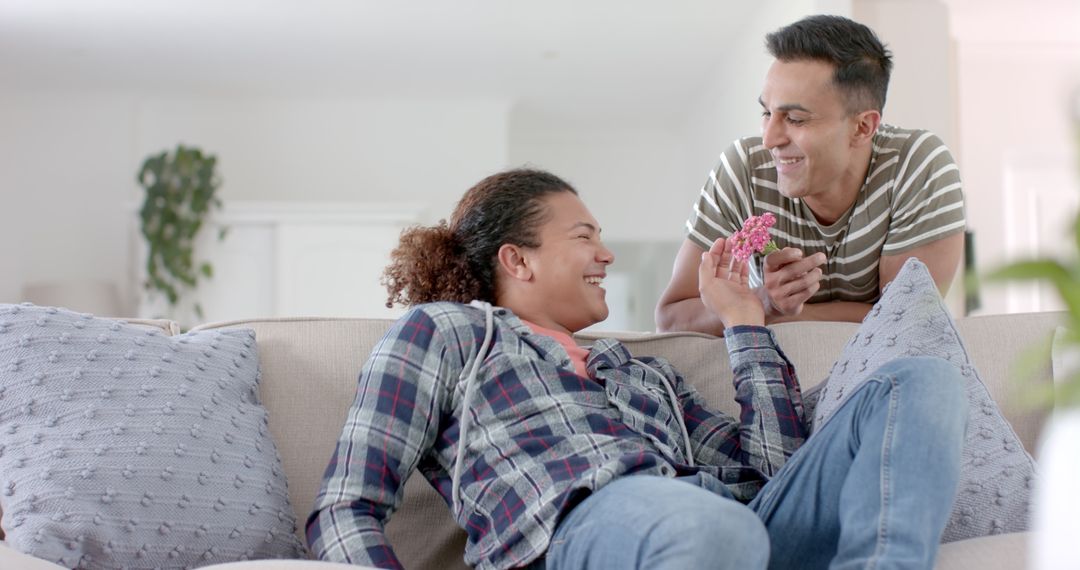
x=754 y=237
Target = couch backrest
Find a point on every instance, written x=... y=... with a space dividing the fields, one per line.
x=310 y=368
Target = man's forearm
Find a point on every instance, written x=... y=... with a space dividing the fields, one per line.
x=845 y=311
x=766 y=389
x=688 y=315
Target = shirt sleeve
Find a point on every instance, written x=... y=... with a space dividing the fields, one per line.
x=770 y=426
x=928 y=198
x=725 y=199
x=392 y=422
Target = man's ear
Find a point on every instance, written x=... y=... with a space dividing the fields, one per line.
x=512 y=261
x=866 y=124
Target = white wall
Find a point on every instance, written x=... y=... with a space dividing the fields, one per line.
x=68 y=163
x=922 y=89
x=1018 y=70
x=337 y=150
x=657 y=163
x=1014 y=116
x=726 y=106
x=66 y=172
x=625 y=173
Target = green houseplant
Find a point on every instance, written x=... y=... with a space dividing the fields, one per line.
x=180 y=192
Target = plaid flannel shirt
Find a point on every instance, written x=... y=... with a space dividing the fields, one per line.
x=540 y=436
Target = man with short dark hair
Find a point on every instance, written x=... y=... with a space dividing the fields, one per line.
x=853 y=198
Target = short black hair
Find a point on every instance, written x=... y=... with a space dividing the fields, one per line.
x=862 y=63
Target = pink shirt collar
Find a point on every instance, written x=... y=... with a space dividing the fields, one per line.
x=577 y=354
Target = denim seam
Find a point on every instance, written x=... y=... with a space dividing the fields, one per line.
x=886 y=483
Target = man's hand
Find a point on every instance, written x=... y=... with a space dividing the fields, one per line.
x=724 y=287
x=790 y=280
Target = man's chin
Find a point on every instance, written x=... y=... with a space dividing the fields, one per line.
x=788 y=189
x=602 y=316
x=594 y=319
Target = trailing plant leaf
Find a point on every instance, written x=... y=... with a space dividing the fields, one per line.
x=1064 y=278
x=1029 y=366
x=180 y=192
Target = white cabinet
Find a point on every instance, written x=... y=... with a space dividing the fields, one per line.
x=291 y=259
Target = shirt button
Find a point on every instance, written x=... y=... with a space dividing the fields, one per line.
x=565 y=363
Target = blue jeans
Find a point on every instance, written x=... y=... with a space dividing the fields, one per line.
x=873 y=488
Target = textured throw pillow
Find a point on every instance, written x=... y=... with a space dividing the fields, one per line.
x=910 y=320
x=121 y=447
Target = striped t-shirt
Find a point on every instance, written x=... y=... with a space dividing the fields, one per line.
x=912 y=196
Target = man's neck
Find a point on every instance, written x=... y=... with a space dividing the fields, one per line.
x=526 y=311
x=830 y=207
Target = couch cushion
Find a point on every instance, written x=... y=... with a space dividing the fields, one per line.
x=815 y=346
x=311 y=365
x=997 y=552
x=166 y=327
x=910 y=320
x=311 y=368
x=123 y=444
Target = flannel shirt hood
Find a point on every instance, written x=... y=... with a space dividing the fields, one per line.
x=540 y=438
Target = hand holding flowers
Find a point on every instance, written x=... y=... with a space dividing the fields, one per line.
x=790 y=279
x=723 y=284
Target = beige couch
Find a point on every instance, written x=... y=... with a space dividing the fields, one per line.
x=310 y=368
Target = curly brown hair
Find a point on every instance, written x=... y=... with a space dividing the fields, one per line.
x=456 y=261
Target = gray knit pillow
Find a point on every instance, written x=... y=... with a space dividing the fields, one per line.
x=122 y=447
x=910 y=320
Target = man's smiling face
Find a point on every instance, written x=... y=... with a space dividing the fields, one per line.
x=808 y=129
x=568 y=268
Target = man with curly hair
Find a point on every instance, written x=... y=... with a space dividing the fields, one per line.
x=555 y=456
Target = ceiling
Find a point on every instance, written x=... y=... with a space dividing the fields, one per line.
x=616 y=56
x=564 y=58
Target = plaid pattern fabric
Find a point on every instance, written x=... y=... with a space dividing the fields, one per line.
x=540 y=436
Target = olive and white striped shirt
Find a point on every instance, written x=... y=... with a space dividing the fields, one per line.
x=912 y=197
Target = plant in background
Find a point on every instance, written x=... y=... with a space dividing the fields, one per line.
x=180 y=193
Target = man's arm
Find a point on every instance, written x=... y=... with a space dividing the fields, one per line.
x=846 y=311
x=770 y=426
x=680 y=307
x=790 y=279
x=942 y=257
x=390 y=424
